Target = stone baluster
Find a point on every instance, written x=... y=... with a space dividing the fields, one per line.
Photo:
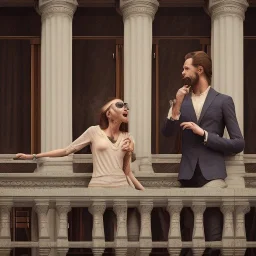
x=145 y=209
x=227 y=209
x=63 y=208
x=97 y=209
x=41 y=208
x=241 y=208
x=120 y=209
x=5 y=232
x=198 y=232
x=174 y=236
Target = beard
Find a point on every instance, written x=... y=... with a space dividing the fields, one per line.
x=191 y=81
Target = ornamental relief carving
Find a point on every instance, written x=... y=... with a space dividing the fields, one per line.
x=57 y=8
x=44 y=183
x=227 y=7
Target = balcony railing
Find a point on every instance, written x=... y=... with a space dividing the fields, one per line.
x=52 y=185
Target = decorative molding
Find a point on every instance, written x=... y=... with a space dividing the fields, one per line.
x=49 y=8
x=138 y=7
x=50 y=182
x=165 y=183
x=236 y=8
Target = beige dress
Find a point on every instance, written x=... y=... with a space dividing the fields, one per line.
x=107 y=157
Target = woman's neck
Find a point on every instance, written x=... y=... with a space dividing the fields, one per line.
x=113 y=129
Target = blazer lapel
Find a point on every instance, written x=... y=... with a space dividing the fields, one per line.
x=208 y=101
x=190 y=108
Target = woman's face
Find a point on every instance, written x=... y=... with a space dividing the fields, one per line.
x=118 y=111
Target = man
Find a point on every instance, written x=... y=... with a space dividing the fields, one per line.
x=203 y=113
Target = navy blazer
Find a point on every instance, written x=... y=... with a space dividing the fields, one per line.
x=217 y=113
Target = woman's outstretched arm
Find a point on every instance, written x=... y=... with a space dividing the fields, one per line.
x=53 y=153
x=76 y=145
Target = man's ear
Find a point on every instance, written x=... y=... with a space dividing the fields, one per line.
x=200 y=69
x=108 y=113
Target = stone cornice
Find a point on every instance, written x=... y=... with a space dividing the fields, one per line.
x=138 y=7
x=228 y=7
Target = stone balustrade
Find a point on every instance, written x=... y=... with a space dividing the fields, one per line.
x=47 y=187
x=234 y=204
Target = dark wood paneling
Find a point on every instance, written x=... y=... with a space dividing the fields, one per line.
x=171 y=60
x=93 y=81
x=249 y=22
x=181 y=22
x=249 y=96
x=15 y=96
x=97 y=22
x=20 y=21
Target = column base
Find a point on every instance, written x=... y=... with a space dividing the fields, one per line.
x=145 y=165
x=5 y=252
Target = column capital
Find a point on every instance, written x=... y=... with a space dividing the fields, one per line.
x=138 y=7
x=41 y=206
x=63 y=207
x=50 y=7
x=228 y=7
x=97 y=207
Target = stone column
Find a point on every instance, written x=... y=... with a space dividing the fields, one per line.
x=56 y=73
x=174 y=236
x=41 y=208
x=5 y=228
x=228 y=55
x=63 y=209
x=97 y=209
x=198 y=232
x=145 y=209
x=138 y=17
x=227 y=209
x=120 y=209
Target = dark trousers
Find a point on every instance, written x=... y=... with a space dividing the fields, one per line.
x=213 y=219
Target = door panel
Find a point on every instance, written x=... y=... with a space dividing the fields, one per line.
x=94 y=75
x=171 y=53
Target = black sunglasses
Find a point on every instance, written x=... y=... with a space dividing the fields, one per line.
x=121 y=105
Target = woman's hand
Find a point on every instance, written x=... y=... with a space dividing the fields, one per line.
x=23 y=156
x=127 y=145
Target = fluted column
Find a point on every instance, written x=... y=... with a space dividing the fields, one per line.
x=174 y=236
x=227 y=49
x=56 y=72
x=97 y=209
x=198 y=232
x=120 y=209
x=138 y=17
x=145 y=209
x=228 y=57
x=63 y=208
x=41 y=208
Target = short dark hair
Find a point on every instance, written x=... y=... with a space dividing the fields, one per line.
x=200 y=58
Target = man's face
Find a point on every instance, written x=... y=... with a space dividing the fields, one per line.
x=189 y=74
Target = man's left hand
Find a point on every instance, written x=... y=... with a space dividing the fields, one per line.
x=194 y=127
x=127 y=145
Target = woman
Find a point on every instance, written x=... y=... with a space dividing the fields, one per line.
x=109 y=145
